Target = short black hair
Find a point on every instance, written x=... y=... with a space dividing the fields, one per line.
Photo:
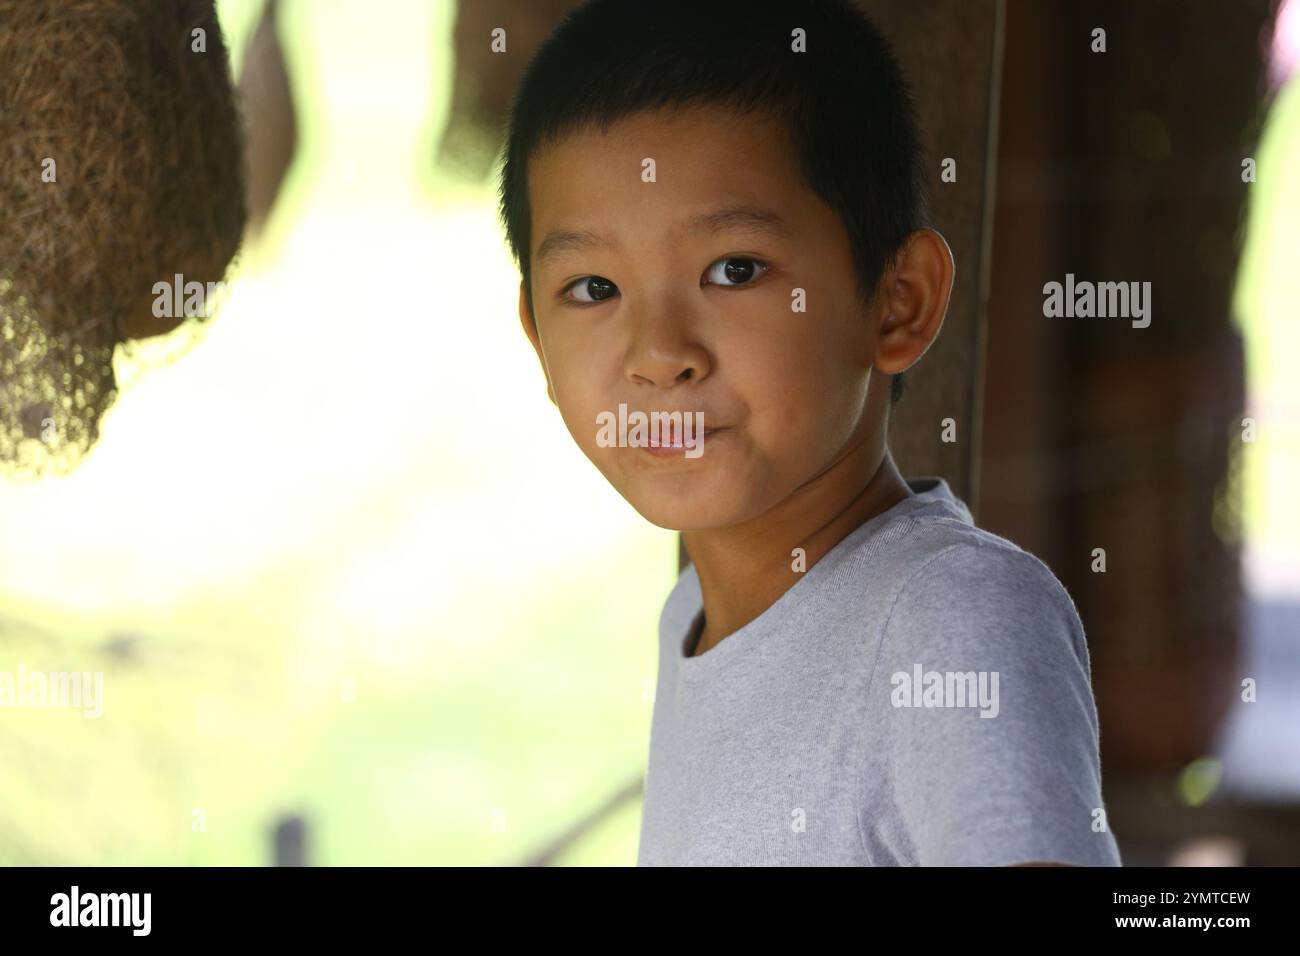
x=844 y=104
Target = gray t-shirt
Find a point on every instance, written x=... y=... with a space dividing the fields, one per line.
x=921 y=696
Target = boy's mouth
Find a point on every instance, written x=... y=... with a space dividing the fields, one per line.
x=675 y=441
x=658 y=433
x=674 y=446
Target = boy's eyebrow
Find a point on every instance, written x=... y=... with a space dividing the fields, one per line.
x=750 y=218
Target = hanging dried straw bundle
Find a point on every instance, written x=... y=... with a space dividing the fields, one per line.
x=120 y=167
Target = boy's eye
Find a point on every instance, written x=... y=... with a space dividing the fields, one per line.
x=599 y=289
x=732 y=272
x=735 y=271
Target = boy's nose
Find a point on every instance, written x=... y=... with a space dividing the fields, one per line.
x=664 y=352
x=667 y=365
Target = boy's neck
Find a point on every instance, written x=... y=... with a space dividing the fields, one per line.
x=744 y=569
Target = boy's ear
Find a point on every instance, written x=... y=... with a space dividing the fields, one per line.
x=530 y=330
x=913 y=296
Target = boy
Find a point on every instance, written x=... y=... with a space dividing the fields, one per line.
x=718 y=212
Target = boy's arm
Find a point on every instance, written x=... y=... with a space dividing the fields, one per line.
x=983 y=689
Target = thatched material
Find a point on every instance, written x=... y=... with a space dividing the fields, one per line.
x=144 y=134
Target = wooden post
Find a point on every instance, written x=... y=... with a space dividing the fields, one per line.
x=951 y=52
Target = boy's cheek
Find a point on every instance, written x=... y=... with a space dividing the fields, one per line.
x=579 y=413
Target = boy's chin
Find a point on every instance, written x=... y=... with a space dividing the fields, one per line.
x=680 y=514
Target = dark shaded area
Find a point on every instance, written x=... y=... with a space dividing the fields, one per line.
x=1127 y=166
x=270 y=119
x=484 y=81
x=289 y=841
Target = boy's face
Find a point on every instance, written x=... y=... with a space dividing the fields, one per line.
x=665 y=315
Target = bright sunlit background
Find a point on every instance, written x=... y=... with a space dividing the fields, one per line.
x=335 y=553
x=1261 y=744
x=1268 y=311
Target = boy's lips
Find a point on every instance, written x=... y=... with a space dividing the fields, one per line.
x=673 y=446
x=675 y=441
x=664 y=433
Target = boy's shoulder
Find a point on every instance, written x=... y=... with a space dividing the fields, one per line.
x=929 y=545
x=940 y=545
x=953 y=583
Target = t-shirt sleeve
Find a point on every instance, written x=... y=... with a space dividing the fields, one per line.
x=982 y=690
